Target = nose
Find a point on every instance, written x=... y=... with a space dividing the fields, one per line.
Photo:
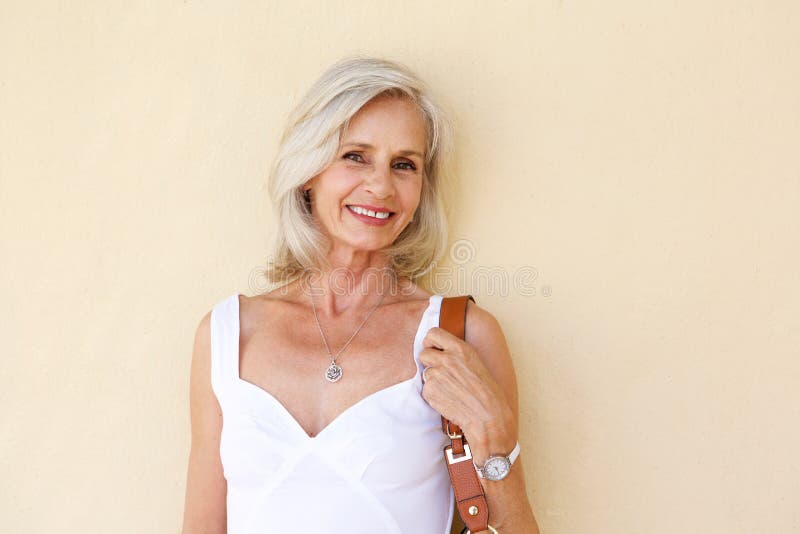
x=379 y=181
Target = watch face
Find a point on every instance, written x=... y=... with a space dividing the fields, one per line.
x=496 y=468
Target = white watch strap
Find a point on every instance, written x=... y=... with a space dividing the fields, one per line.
x=513 y=456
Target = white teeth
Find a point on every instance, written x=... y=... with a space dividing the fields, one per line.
x=370 y=213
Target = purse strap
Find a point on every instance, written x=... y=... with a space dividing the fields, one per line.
x=470 y=498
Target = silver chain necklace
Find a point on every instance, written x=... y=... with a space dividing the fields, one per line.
x=334 y=372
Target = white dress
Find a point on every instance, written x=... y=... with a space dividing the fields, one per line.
x=377 y=468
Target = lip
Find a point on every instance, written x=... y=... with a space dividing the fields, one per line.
x=366 y=219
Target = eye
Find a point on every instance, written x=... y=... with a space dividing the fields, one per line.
x=410 y=167
x=355 y=155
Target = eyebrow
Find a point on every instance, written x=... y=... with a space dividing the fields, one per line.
x=401 y=152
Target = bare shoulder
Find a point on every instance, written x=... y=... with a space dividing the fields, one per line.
x=483 y=331
x=201 y=355
x=201 y=394
x=276 y=302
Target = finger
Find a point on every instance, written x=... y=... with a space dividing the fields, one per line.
x=443 y=358
x=440 y=338
x=455 y=358
x=432 y=356
x=456 y=368
x=448 y=398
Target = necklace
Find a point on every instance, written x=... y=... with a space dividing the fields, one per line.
x=334 y=372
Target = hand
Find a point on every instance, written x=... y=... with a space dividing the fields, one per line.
x=459 y=386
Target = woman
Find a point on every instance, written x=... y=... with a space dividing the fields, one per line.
x=308 y=407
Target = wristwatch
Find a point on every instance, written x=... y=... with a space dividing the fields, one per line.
x=498 y=467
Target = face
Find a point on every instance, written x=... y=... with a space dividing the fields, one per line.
x=378 y=170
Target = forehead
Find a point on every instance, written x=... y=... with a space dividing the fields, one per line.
x=391 y=121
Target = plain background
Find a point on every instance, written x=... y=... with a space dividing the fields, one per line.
x=640 y=157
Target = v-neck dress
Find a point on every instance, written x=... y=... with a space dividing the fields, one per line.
x=377 y=467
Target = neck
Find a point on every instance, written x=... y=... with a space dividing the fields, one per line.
x=337 y=291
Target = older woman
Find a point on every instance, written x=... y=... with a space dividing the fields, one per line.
x=308 y=407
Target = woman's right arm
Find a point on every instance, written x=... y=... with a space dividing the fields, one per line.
x=206 y=489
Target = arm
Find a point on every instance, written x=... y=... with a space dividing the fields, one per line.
x=472 y=383
x=206 y=488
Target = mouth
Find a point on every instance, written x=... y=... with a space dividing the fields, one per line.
x=376 y=214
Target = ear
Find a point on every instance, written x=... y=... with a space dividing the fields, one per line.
x=309 y=184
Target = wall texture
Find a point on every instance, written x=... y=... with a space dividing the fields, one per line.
x=640 y=158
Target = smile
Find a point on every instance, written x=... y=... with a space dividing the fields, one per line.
x=370 y=213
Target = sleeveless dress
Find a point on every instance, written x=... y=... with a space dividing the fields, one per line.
x=377 y=468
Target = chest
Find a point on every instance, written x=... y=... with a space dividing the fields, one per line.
x=284 y=355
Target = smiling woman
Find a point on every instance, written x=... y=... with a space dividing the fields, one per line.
x=317 y=440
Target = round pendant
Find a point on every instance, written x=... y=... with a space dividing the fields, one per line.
x=333 y=373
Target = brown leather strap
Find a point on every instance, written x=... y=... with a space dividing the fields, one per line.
x=470 y=498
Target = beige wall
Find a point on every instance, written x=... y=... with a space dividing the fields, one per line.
x=642 y=158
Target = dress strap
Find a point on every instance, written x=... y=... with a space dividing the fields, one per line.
x=225 y=345
x=430 y=319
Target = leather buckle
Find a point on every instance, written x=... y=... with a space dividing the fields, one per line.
x=448 y=451
x=450 y=434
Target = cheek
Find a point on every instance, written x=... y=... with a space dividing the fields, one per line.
x=341 y=173
x=337 y=182
x=411 y=193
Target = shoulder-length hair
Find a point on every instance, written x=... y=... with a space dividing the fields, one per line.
x=309 y=144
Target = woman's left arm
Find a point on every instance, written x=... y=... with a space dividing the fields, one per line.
x=472 y=383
